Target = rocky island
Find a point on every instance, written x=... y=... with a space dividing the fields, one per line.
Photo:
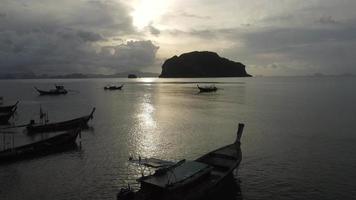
x=200 y=64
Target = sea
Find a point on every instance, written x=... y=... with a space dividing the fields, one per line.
x=299 y=140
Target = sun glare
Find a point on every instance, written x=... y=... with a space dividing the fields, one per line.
x=146 y=11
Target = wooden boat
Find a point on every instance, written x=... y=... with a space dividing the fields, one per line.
x=5 y=117
x=132 y=76
x=7 y=109
x=113 y=87
x=207 y=88
x=33 y=128
x=42 y=147
x=57 y=91
x=189 y=180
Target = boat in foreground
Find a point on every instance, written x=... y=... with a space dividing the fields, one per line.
x=33 y=128
x=5 y=117
x=59 y=89
x=207 y=88
x=6 y=109
x=42 y=147
x=113 y=87
x=189 y=180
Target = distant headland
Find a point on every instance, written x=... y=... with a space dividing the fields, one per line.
x=200 y=64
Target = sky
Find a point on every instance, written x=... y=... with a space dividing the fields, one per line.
x=271 y=37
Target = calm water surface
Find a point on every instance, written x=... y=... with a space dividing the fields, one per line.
x=299 y=141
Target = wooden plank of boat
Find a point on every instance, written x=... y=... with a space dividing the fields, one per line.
x=42 y=147
x=6 y=109
x=190 y=180
x=60 y=126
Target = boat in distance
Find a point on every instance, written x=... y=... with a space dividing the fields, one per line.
x=113 y=87
x=189 y=180
x=59 y=89
x=207 y=88
x=33 y=128
x=6 y=109
x=42 y=147
x=5 y=117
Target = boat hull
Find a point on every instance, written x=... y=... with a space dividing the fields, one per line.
x=223 y=162
x=207 y=89
x=5 y=117
x=52 y=92
x=60 y=126
x=112 y=88
x=7 y=109
x=43 y=147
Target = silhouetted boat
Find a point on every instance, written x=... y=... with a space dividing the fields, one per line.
x=132 y=76
x=113 y=87
x=5 y=117
x=189 y=180
x=42 y=147
x=57 y=91
x=6 y=109
x=33 y=128
x=207 y=88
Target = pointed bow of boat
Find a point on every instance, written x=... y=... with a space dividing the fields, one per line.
x=239 y=133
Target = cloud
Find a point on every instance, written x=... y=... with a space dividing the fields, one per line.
x=89 y=36
x=189 y=15
x=71 y=36
x=153 y=30
x=327 y=20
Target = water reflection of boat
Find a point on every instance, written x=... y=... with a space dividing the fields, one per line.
x=59 y=89
x=5 y=117
x=43 y=147
x=7 y=109
x=113 y=87
x=189 y=180
x=59 y=126
x=211 y=88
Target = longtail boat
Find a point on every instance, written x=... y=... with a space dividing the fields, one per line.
x=33 y=128
x=189 y=180
x=42 y=147
x=207 y=88
x=7 y=109
x=113 y=87
x=59 y=89
x=5 y=117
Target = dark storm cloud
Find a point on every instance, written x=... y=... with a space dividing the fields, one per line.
x=89 y=36
x=64 y=36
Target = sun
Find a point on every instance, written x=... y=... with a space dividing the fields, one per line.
x=147 y=11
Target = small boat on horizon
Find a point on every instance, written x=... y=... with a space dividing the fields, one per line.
x=189 y=180
x=59 y=89
x=211 y=88
x=113 y=87
x=42 y=147
x=33 y=128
